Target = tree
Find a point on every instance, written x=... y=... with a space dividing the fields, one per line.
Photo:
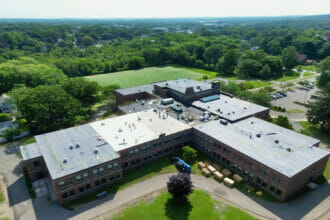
x=135 y=62
x=319 y=110
x=289 y=57
x=265 y=72
x=213 y=53
x=180 y=186
x=249 y=68
x=324 y=78
x=228 y=62
x=46 y=108
x=261 y=98
x=82 y=89
x=189 y=154
x=283 y=121
x=87 y=41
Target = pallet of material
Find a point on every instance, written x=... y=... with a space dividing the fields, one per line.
x=217 y=167
x=226 y=172
x=237 y=178
x=206 y=172
x=201 y=165
x=229 y=182
x=218 y=176
x=211 y=168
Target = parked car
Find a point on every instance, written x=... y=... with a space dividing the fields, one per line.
x=283 y=94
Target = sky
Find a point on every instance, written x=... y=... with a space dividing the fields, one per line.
x=158 y=8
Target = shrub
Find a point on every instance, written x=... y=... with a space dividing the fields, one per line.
x=189 y=154
x=4 y=117
x=180 y=186
x=28 y=183
x=10 y=133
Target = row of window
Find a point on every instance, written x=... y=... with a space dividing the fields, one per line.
x=87 y=187
x=272 y=189
x=85 y=176
x=239 y=159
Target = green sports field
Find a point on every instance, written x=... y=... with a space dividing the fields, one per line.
x=147 y=75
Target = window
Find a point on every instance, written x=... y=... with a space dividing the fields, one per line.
x=136 y=150
x=112 y=178
x=258 y=180
x=274 y=179
x=88 y=186
x=36 y=163
x=103 y=181
x=264 y=184
x=97 y=183
x=61 y=184
x=278 y=192
x=78 y=178
x=72 y=193
x=109 y=166
x=81 y=189
x=131 y=152
x=272 y=188
x=69 y=183
x=95 y=172
x=64 y=195
x=101 y=170
x=85 y=175
x=280 y=182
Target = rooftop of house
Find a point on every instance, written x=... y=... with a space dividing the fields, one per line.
x=133 y=129
x=232 y=109
x=180 y=85
x=282 y=150
x=70 y=150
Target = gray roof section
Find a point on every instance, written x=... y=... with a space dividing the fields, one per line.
x=229 y=108
x=241 y=136
x=55 y=148
x=149 y=88
x=180 y=85
x=30 y=151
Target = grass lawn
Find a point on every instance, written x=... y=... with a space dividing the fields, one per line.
x=212 y=74
x=295 y=111
x=314 y=131
x=2 y=196
x=285 y=78
x=310 y=68
x=199 y=206
x=143 y=76
x=257 y=83
x=308 y=74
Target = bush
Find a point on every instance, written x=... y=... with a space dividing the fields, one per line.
x=10 y=133
x=283 y=121
x=189 y=154
x=28 y=183
x=4 y=117
x=180 y=186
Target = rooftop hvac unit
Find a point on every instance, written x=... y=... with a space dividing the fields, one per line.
x=77 y=145
x=96 y=151
x=65 y=161
x=70 y=147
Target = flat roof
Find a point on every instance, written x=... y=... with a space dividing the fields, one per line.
x=282 y=150
x=63 y=156
x=229 y=108
x=30 y=151
x=180 y=85
x=149 y=88
x=132 y=129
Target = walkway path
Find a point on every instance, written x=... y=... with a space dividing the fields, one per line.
x=312 y=206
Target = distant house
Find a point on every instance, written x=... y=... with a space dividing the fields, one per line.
x=326 y=37
x=5 y=105
x=302 y=58
x=309 y=62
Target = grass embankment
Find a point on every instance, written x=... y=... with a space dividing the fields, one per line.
x=314 y=131
x=198 y=206
x=143 y=76
x=288 y=77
